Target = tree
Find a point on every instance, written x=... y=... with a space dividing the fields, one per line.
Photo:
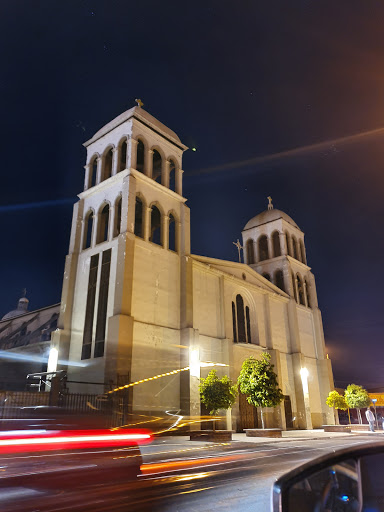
x=217 y=393
x=258 y=381
x=357 y=397
x=336 y=401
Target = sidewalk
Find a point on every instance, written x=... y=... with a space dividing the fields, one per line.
x=288 y=435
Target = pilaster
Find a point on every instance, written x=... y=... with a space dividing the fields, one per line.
x=149 y=163
x=132 y=153
x=87 y=180
x=99 y=170
x=179 y=181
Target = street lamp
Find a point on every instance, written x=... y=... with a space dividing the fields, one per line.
x=304 y=379
x=194 y=362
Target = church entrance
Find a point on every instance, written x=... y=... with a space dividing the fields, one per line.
x=248 y=414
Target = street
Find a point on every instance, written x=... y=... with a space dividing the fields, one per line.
x=178 y=475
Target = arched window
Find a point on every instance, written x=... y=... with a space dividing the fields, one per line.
x=140 y=156
x=234 y=322
x=302 y=251
x=300 y=289
x=172 y=233
x=123 y=155
x=279 y=280
x=103 y=225
x=156 y=166
x=266 y=275
x=295 y=248
x=155 y=230
x=263 y=248
x=172 y=175
x=117 y=227
x=287 y=242
x=276 y=244
x=308 y=293
x=241 y=333
x=93 y=171
x=88 y=228
x=139 y=224
x=107 y=167
x=250 y=252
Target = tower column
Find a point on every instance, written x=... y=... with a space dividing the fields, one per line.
x=166 y=165
x=179 y=181
x=283 y=244
x=165 y=229
x=111 y=225
x=270 y=247
x=115 y=160
x=132 y=153
x=148 y=166
x=290 y=245
x=99 y=169
x=146 y=220
x=95 y=228
x=87 y=182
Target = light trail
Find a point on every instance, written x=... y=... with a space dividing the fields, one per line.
x=38 y=204
x=289 y=153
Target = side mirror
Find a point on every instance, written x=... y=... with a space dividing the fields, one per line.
x=346 y=481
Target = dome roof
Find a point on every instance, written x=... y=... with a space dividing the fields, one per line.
x=22 y=308
x=139 y=113
x=269 y=216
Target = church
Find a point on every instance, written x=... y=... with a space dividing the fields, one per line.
x=139 y=307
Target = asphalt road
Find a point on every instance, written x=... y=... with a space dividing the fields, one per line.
x=180 y=476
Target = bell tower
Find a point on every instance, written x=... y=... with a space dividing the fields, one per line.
x=130 y=235
x=274 y=247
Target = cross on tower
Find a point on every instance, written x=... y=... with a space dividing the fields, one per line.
x=270 y=205
x=139 y=102
x=239 y=247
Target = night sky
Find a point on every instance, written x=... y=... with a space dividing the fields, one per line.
x=236 y=80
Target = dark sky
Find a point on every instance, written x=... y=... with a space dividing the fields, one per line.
x=236 y=80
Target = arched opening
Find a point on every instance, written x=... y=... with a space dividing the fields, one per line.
x=302 y=251
x=295 y=249
x=250 y=252
x=108 y=159
x=155 y=231
x=88 y=228
x=172 y=175
x=156 y=166
x=123 y=155
x=139 y=224
x=287 y=243
x=103 y=225
x=308 y=293
x=93 y=171
x=279 y=279
x=234 y=323
x=300 y=289
x=263 y=248
x=266 y=276
x=140 y=156
x=241 y=333
x=117 y=227
x=172 y=233
x=276 y=244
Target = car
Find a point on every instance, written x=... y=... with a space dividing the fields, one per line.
x=349 y=480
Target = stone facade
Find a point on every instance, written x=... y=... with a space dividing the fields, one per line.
x=137 y=304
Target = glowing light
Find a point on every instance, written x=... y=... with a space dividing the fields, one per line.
x=52 y=360
x=194 y=362
x=51 y=440
x=304 y=379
